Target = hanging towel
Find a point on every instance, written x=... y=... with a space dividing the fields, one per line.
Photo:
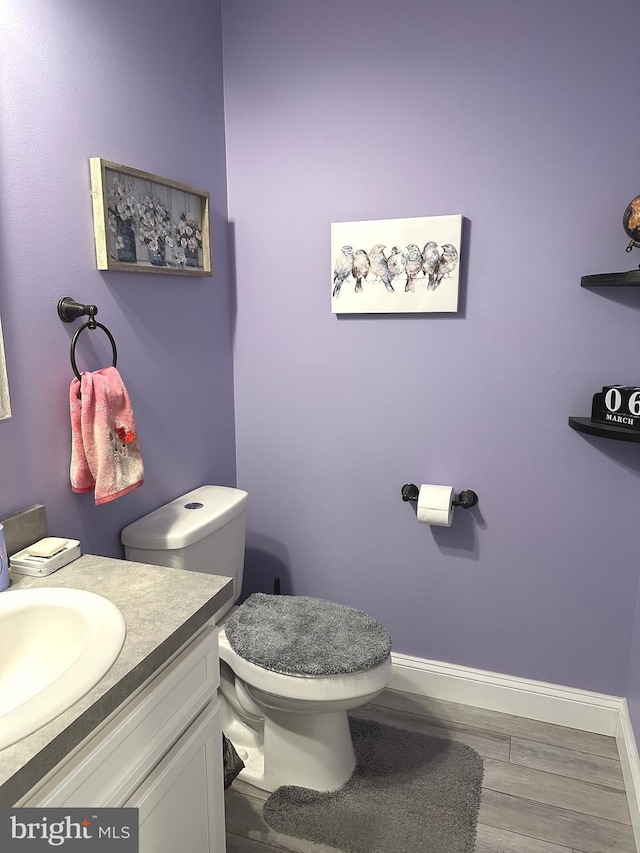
x=105 y=451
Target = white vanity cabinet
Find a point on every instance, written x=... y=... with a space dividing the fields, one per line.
x=160 y=752
x=175 y=802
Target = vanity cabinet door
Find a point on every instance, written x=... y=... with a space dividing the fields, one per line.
x=181 y=804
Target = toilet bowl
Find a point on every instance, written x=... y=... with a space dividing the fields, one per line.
x=293 y=728
x=291 y=666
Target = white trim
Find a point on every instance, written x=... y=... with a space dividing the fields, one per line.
x=630 y=762
x=522 y=697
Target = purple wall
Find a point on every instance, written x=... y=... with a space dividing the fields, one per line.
x=520 y=117
x=632 y=688
x=140 y=84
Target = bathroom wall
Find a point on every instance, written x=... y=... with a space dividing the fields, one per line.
x=520 y=117
x=632 y=687
x=140 y=84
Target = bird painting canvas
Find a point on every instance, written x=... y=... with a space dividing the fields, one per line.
x=391 y=266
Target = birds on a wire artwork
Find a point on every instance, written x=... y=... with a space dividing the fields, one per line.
x=408 y=265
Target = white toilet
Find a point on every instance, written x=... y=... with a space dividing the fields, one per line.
x=291 y=666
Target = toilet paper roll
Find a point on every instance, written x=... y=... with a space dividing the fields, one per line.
x=435 y=505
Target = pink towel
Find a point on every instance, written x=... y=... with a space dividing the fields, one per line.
x=105 y=451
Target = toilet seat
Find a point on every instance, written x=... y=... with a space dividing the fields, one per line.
x=303 y=635
x=309 y=688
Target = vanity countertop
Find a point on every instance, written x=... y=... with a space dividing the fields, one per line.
x=162 y=608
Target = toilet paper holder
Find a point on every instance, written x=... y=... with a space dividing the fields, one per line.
x=466 y=499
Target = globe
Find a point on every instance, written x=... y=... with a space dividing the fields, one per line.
x=631 y=222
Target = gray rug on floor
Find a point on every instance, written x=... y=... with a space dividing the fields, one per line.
x=410 y=793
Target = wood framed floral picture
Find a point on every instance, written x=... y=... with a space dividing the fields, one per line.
x=144 y=223
x=5 y=403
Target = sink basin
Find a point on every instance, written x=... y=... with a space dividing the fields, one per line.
x=56 y=645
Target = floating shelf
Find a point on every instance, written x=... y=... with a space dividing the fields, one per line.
x=615 y=432
x=586 y=425
x=612 y=279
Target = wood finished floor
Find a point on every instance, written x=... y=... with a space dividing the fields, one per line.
x=546 y=788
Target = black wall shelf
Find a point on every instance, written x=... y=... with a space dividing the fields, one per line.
x=586 y=425
x=617 y=433
x=612 y=279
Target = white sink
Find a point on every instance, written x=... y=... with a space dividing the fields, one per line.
x=56 y=645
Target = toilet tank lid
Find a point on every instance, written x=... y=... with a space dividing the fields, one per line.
x=186 y=519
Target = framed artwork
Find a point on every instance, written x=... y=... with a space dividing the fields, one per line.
x=389 y=266
x=5 y=403
x=144 y=223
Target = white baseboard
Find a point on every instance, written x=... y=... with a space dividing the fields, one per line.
x=522 y=697
x=537 y=700
x=630 y=762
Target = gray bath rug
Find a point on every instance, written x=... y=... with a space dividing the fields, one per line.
x=410 y=793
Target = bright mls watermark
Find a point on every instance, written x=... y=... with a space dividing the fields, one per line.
x=35 y=830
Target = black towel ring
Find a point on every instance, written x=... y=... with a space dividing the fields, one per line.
x=70 y=310
x=90 y=324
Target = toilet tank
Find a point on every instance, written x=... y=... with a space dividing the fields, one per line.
x=202 y=531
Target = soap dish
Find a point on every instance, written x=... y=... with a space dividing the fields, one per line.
x=27 y=563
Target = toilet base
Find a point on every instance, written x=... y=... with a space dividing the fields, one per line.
x=308 y=750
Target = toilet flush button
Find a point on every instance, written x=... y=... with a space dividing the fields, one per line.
x=193 y=505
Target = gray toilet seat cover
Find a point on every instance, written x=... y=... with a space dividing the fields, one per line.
x=301 y=635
